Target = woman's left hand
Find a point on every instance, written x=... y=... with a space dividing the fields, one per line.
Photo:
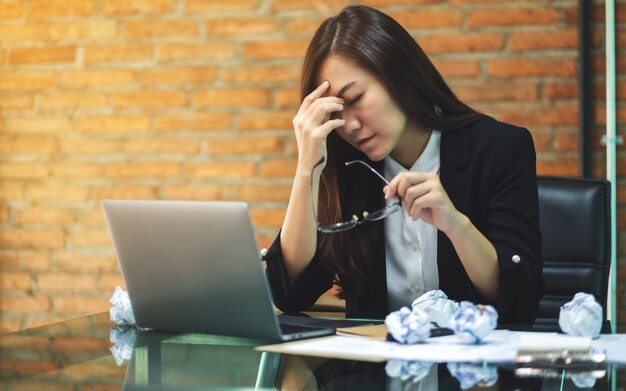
x=424 y=198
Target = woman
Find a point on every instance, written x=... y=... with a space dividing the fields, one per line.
x=466 y=184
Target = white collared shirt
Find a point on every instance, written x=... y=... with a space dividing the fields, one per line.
x=411 y=246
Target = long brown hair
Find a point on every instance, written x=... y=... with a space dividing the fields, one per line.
x=380 y=45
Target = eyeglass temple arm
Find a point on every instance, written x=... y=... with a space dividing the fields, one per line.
x=370 y=168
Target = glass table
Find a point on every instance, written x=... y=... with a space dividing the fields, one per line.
x=90 y=354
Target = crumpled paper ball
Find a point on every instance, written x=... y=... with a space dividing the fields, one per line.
x=472 y=323
x=123 y=342
x=439 y=309
x=582 y=316
x=583 y=379
x=470 y=375
x=121 y=311
x=408 y=326
x=408 y=370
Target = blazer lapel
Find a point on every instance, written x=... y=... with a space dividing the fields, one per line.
x=454 y=156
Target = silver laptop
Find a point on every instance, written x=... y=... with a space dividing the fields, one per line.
x=193 y=266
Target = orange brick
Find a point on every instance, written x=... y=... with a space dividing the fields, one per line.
x=524 y=40
x=9 y=324
x=219 y=169
x=24 y=259
x=23 y=171
x=542 y=140
x=92 y=217
x=262 y=192
x=15 y=281
x=125 y=52
x=159 y=29
x=17 y=145
x=82 y=305
x=16 y=101
x=122 y=123
x=27 y=80
x=96 y=77
x=108 y=282
x=84 y=261
x=76 y=146
x=44 y=9
x=472 y=42
x=207 y=51
x=126 y=7
x=567 y=140
x=427 y=18
x=278 y=168
x=212 y=6
x=266 y=120
x=236 y=145
x=11 y=190
x=4 y=213
x=515 y=67
x=178 y=75
x=25 y=32
x=72 y=100
x=498 y=92
x=38 y=125
x=562 y=90
x=302 y=26
x=287 y=98
x=150 y=99
x=195 y=121
x=197 y=191
x=44 y=215
x=457 y=68
x=32 y=239
x=162 y=145
x=275 y=49
x=24 y=303
x=241 y=26
x=237 y=97
x=322 y=6
x=57 y=192
x=83 y=238
x=75 y=170
x=78 y=344
x=555 y=115
x=28 y=367
x=94 y=30
x=267 y=217
x=509 y=17
x=262 y=74
x=118 y=192
x=12 y=10
x=142 y=170
x=564 y=165
x=67 y=282
x=36 y=320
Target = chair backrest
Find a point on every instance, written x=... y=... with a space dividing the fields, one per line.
x=575 y=225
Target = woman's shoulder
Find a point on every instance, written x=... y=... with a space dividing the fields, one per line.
x=491 y=131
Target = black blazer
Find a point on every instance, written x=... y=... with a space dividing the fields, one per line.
x=488 y=170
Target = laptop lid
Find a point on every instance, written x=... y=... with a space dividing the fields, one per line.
x=193 y=266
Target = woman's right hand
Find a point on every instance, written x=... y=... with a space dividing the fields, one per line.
x=312 y=124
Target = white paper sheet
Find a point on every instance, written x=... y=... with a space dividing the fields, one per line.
x=499 y=346
x=613 y=345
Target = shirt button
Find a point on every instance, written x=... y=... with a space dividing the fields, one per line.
x=413 y=246
x=516 y=259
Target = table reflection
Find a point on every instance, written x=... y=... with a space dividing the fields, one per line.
x=165 y=361
x=88 y=354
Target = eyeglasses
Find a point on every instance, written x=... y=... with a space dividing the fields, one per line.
x=367 y=216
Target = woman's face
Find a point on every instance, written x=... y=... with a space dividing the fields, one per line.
x=373 y=121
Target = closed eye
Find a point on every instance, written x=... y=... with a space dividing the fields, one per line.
x=355 y=100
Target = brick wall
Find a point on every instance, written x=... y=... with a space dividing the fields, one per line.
x=193 y=99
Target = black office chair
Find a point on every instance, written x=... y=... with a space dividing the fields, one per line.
x=575 y=225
